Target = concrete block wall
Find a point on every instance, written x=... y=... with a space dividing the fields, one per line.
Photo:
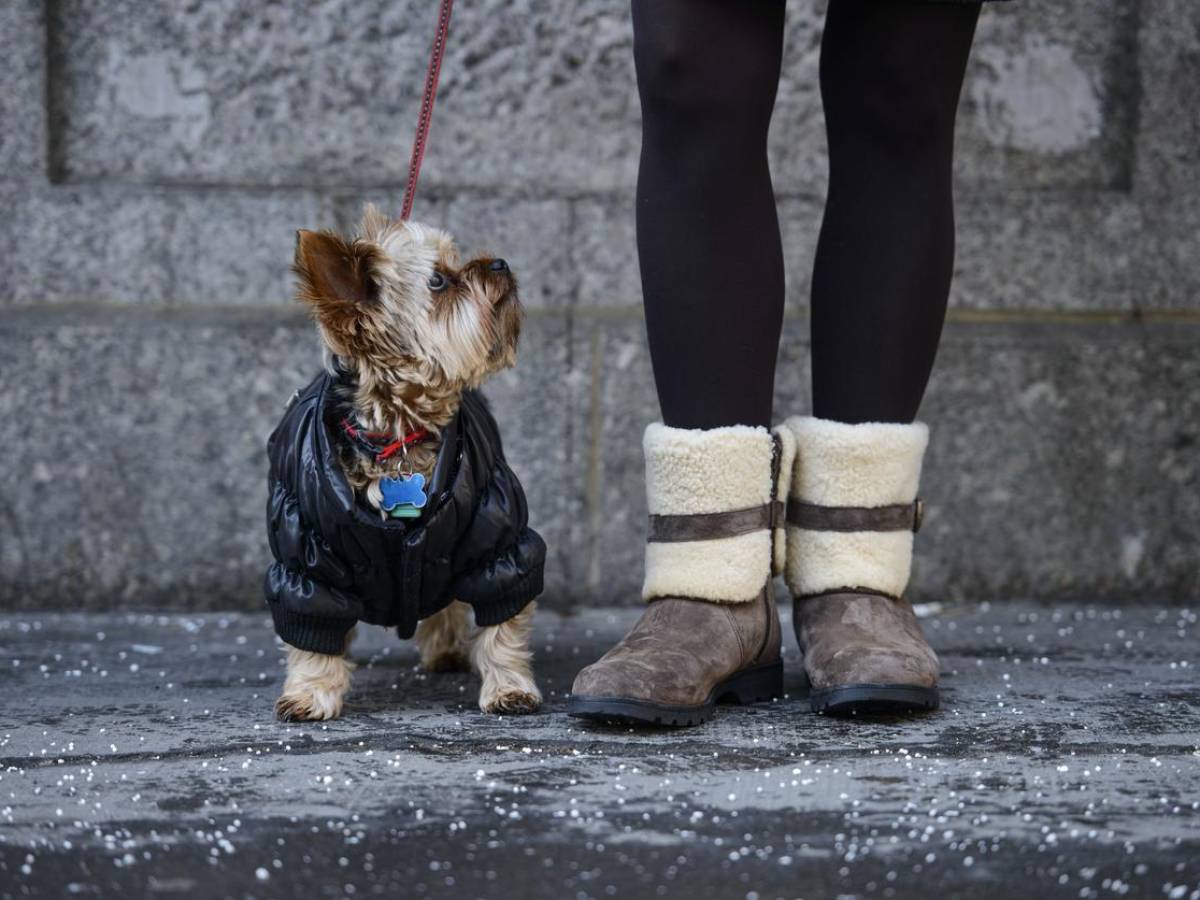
x=156 y=158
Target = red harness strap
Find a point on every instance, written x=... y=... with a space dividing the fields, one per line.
x=366 y=440
x=427 y=99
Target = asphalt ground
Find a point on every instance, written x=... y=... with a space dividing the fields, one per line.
x=139 y=757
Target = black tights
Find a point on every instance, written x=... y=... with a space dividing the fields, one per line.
x=708 y=236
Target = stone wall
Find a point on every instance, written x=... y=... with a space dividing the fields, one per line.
x=156 y=159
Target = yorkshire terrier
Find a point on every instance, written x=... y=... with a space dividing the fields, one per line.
x=433 y=328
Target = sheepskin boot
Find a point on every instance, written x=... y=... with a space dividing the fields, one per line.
x=710 y=632
x=852 y=513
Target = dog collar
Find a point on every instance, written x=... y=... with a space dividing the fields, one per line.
x=366 y=440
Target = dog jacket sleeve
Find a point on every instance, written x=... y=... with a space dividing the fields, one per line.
x=308 y=588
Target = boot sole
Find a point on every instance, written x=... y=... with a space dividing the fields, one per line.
x=754 y=685
x=873 y=698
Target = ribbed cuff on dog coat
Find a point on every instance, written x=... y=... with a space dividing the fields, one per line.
x=696 y=471
x=864 y=465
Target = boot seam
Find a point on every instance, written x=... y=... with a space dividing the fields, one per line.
x=847 y=590
x=772 y=622
x=776 y=456
x=765 y=593
x=733 y=626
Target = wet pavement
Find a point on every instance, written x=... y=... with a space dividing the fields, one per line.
x=138 y=757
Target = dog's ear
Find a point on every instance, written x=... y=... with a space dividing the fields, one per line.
x=335 y=275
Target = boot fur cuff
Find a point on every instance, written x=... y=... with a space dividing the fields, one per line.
x=695 y=471
x=868 y=464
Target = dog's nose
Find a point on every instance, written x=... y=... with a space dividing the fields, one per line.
x=498 y=265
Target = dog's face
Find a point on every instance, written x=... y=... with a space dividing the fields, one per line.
x=398 y=299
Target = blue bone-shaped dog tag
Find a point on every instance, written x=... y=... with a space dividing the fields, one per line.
x=403 y=496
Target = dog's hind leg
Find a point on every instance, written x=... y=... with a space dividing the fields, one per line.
x=315 y=686
x=443 y=639
x=501 y=656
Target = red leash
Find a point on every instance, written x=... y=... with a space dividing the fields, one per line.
x=366 y=439
x=431 y=81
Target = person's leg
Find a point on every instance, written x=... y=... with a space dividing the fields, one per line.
x=712 y=275
x=707 y=231
x=891 y=72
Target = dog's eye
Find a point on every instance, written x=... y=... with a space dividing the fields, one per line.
x=437 y=281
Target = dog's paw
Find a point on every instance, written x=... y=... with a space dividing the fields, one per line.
x=309 y=703
x=511 y=700
x=315 y=686
x=454 y=660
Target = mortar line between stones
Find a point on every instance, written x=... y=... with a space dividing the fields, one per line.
x=102 y=312
x=54 y=163
x=489 y=192
x=571 y=397
x=594 y=468
x=1129 y=44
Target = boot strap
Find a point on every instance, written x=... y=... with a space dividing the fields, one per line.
x=898 y=517
x=711 y=526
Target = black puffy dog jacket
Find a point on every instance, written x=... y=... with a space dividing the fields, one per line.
x=338 y=562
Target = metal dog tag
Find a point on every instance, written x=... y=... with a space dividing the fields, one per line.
x=403 y=497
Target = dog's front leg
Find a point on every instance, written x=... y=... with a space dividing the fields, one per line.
x=443 y=639
x=501 y=656
x=315 y=686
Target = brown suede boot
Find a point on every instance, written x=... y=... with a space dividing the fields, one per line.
x=711 y=631
x=852 y=513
